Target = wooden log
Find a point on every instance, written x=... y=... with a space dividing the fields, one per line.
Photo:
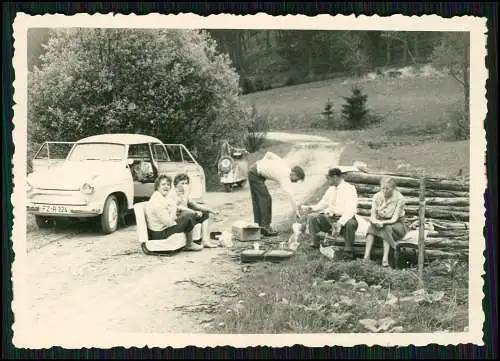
x=433 y=201
x=436 y=254
x=363 y=203
x=429 y=213
x=448 y=226
x=370 y=189
x=452 y=234
x=441 y=184
x=441 y=245
x=446 y=243
x=429 y=254
x=409 y=175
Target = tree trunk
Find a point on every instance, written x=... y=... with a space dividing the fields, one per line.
x=363 y=204
x=238 y=52
x=406 y=48
x=416 y=46
x=466 y=74
x=371 y=189
x=443 y=202
x=388 y=51
x=432 y=183
x=439 y=214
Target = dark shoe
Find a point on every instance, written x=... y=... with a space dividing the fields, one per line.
x=269 y=232
x=348 y=256
x=146 y=250
x=154 y=253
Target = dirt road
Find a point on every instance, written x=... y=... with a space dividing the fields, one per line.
x=80 y=281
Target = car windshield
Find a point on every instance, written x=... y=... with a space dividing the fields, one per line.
x=97 y=151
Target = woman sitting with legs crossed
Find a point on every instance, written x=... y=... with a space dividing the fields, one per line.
x=161 y=218
x=387 y=219
x=179 y=195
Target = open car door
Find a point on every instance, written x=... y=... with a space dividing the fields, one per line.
x=173 y=159
x=51 y=154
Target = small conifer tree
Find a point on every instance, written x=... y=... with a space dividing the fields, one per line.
x=354 y=111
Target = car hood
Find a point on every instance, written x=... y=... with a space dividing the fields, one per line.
x=72 y=175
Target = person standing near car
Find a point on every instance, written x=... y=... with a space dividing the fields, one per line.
x=273 y=168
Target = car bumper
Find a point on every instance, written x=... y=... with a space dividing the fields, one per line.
x=54 y=210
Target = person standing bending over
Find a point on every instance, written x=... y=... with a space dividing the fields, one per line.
x=339 y=205
x=274 y=168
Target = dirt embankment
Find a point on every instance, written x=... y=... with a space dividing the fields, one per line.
x=82 y=282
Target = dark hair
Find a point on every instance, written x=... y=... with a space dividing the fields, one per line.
x=180 y=177
x=334 y=172
x=160 y=178
x=299 y=172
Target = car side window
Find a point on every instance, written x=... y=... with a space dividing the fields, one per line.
x=139 y=151
x=159 y=153
x=186 y=156
x=142 y=168
x=175 y=153
x=43 y=152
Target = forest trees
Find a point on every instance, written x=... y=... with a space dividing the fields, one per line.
x=172 y=84
x=270 y=58
x=452 y=54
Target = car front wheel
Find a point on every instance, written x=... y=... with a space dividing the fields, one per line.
x=109 y=217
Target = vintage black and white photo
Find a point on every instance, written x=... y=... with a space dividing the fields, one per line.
x=186 y=180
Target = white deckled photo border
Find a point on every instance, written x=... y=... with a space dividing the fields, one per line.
x=478 y=181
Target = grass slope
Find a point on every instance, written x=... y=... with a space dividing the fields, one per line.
x=416 y=113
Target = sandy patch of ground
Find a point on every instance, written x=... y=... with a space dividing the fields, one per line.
x=81 y=281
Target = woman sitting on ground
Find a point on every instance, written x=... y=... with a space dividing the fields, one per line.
x=161 y=218
x=179 y=195
x=387 y=219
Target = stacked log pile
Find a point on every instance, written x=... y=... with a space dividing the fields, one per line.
x=446 y=209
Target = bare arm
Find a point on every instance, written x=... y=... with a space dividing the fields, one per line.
x=286 y=186
x=373 y=212
x=199 y=207
x=323 y=203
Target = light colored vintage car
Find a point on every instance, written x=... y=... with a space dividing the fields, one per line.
x=104 y=176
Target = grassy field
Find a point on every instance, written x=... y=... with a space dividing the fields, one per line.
x=416 y=112
x=310 y=293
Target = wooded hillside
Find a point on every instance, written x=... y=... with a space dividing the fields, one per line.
x=271 y=58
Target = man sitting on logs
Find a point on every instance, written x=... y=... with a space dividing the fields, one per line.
x=387 y=219
x=336 y=213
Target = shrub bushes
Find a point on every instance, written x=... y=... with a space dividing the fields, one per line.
x=171 y=84
x=458 y=126
x=257 y=131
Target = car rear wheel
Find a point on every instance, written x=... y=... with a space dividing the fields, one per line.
x=228 y=187
x=109 y=217
x=44 y=222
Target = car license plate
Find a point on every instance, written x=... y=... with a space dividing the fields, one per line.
x=54 y=209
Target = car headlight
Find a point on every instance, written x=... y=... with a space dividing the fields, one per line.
x=87 y=188
x=225 y=165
